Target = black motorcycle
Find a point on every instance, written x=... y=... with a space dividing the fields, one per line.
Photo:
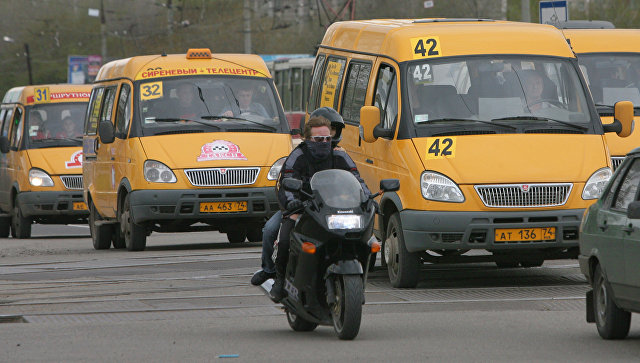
x=330 y=243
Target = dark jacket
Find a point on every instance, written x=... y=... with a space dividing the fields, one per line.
x=300 y=165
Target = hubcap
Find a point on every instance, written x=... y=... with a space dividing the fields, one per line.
x=601 y=302
x=337 y=307
x=390 y=251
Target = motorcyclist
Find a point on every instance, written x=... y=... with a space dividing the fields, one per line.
x=271 y=228
x=314 y=154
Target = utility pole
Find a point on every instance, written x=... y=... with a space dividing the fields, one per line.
x=103 y=32
x=28 y=55
x=526 y=11
x=246 y=18
x=170 y=24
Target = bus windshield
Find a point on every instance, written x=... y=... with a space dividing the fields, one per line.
x=216 y=103
x=54 y=125
x=498 y=91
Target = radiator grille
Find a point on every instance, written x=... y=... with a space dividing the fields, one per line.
x=524 y=195
x=616 y=161
x=72 y=181
x=217 y=177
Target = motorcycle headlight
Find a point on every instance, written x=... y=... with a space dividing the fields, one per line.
x=595 y=185
x=344 y=221
x=157 y=172
x=438 y=187
x=275 y=169
x=40 y=178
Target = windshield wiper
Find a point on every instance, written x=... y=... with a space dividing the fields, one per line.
x=536 y=118
x=174 y=119
x=472 y=120
x=239 y=119
x=74 y=140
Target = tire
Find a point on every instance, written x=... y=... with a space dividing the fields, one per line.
x=236 y=236
x=403 y=267
x=299 y=324
x=20 y=225
x=254 y=234
x=135 y=235
x=117 y=239
x=5 y=227
x=100 y=234
x=532 y=262
x=611 y=321
x=505 y=264
x=347 y=310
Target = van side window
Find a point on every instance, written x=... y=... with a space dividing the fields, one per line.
x=386 y=97
x=332 y=82
x=629 y=187
x=93 y=111
x=4 y=123
x=608 y=199
x=123 y=114
x=7 y=122
x=315 y=83
x=355 y=90
x=16 y=131
x=107 y=108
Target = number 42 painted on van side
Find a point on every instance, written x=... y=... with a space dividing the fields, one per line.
x=441 y=147
x=426 y=47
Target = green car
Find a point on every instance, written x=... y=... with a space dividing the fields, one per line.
x=610 y=251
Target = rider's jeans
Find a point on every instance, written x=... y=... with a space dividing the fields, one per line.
x=269 y=235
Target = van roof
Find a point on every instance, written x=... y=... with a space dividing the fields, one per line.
x=57 y=93
x=391 y=37
x=172 y=65
x=604 y=40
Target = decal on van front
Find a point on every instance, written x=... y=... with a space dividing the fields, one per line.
x=220 y=150
x=76 y=160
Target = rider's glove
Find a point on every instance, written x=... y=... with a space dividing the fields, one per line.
x=294 y=204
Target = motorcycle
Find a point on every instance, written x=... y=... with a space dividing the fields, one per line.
x=330 y=243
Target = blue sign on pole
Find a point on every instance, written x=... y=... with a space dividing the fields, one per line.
x=553 y=11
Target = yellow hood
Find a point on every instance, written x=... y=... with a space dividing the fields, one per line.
x=57 y=161
x=184 y=151
x=523 y=158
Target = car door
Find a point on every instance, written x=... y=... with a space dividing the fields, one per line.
x=6 y=116
x=632 y=247
x=613 y=226
x=104 y=168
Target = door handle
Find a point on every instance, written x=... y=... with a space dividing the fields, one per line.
x=369 y=161
x=628 y=228
x=603 y=226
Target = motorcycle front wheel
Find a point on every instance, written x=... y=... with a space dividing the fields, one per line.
x=347 y=310
x=299 y=324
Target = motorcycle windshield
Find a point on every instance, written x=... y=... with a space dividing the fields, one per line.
x=337 y=188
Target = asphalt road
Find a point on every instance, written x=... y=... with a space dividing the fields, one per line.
x=187 y=297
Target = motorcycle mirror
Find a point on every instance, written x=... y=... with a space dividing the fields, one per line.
x=291 y=184
x=390 y=185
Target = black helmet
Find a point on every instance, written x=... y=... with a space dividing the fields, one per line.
x=336 y=121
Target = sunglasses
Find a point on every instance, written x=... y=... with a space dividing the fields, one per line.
x=321 y=138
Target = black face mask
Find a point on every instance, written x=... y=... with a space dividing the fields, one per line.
x=319 y=150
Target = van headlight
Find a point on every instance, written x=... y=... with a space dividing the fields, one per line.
x=595 y=185
x=275 y=169
x=438 y=187
x=344 y=221
x=40 y=178
x=157 y=172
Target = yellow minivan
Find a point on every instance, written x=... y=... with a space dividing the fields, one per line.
x=487 y=124
x=182 y=142
x=610 y=62
x=41 y=159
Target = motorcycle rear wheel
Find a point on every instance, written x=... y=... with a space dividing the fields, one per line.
x=299 y=324
x=347 y=310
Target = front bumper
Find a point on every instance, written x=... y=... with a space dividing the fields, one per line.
x=430 y=230
x=173 y=205
x=54 y=203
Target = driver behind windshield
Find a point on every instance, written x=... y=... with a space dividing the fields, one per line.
x=314 y=154
x=246 y=104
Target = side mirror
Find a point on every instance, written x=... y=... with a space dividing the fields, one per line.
x=4 y=144
x=369 y=119
x=623 y=119
x=106 y=132
x=633 y=211
x=291 y=184
x=390 y=185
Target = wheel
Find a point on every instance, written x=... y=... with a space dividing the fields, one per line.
x=135 y=235
x=507 y=264
x=347 y=310
x=254 y=234
x=5 y=226
x=532 y=262
x=20 y=225
x=611 y=321
x=117 y=239
x=299 y=324
x=236 y=236
x=100 y=234
x=403 y=266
